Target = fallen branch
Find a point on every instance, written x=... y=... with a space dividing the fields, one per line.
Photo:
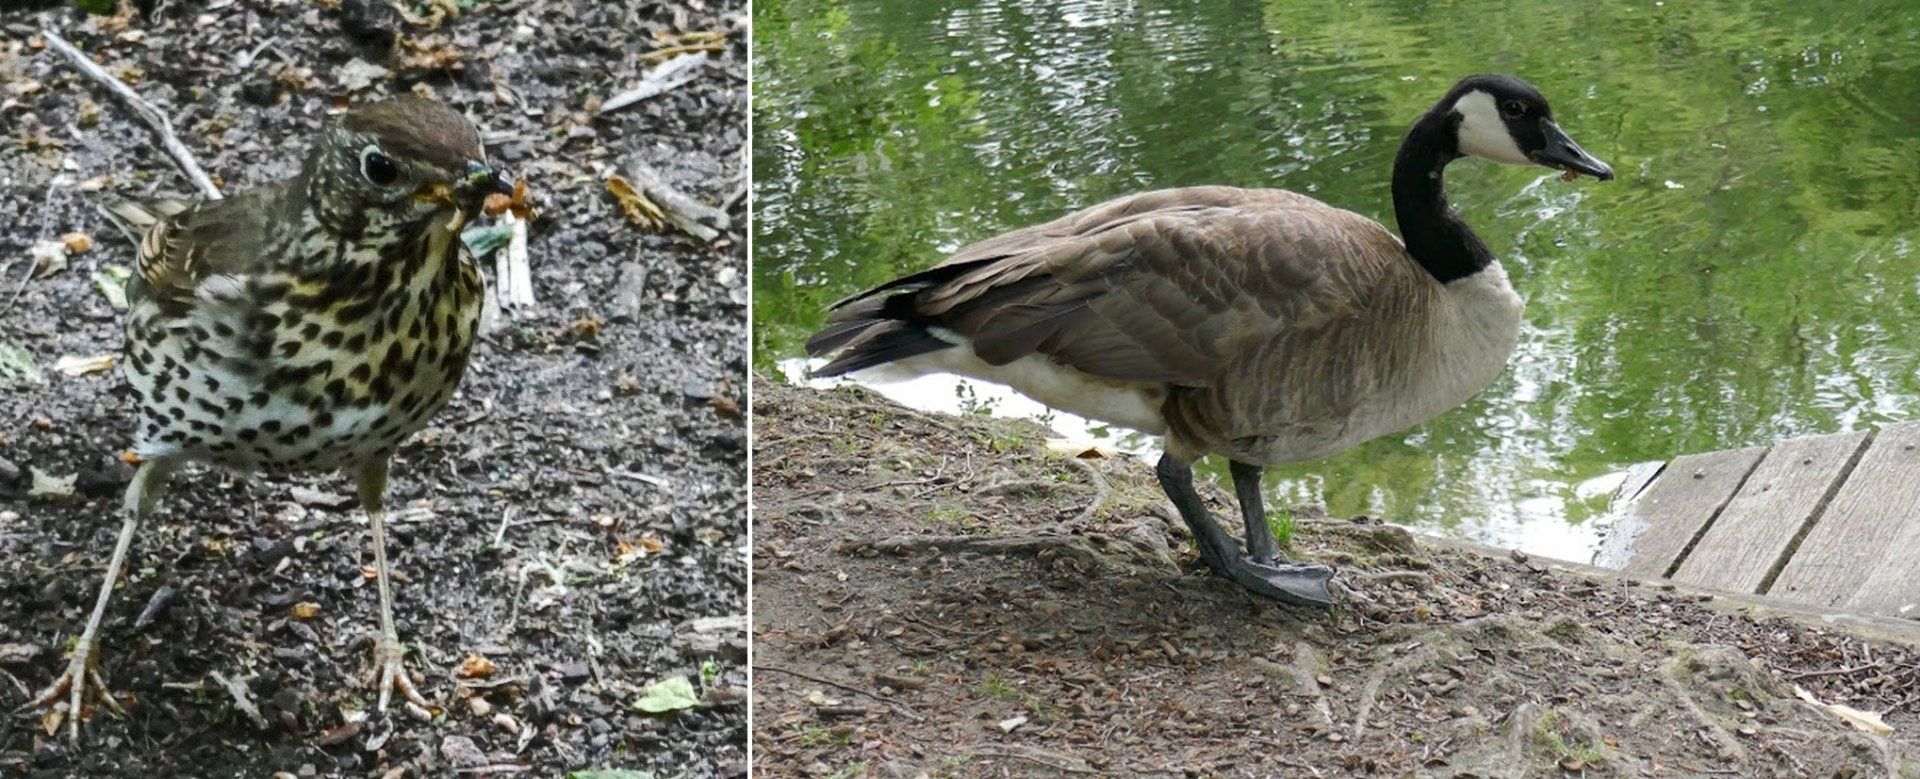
x=908 y=713
x=146 y=111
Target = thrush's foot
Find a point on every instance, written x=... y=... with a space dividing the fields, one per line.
x=74 y=684
x=390 y=673
x=1290 y=583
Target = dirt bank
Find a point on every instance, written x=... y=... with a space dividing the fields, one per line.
x=568 y=517
x=941 y=595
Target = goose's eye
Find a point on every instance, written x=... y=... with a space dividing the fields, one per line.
x=1513 y=108
x=378 y=168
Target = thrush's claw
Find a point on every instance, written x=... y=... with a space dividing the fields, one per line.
x=390 y=673
x=73 y=683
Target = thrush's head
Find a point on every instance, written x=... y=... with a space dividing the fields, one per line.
x=398 y=161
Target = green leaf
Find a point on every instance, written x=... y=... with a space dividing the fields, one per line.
x=17 y=365
x=483 y=240
x=668 y=695
x=101 y=7
x=112 y=283
x=613 y=773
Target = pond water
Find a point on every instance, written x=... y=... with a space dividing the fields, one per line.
x=1750 y=275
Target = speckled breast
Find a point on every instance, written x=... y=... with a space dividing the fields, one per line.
x=305 y=371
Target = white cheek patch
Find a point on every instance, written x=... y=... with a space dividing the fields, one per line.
x=1482 y=134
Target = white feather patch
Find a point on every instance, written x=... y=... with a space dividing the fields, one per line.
x=1482 y=133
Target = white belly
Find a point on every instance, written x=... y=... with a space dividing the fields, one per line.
x=1127 y=404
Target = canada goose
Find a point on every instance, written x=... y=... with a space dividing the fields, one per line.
x=1260 y=324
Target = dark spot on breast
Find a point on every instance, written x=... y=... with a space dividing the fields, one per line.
x=361 y=373
x=333 y=338
x=221 y=329
x=357 y=342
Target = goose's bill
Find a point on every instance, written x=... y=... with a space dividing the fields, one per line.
x=1562 y=153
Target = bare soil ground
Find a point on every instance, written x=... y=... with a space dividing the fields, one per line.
x=939 y=596
x=568 y=517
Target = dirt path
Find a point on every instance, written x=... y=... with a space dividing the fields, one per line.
x=939 y=595
x=569 y=517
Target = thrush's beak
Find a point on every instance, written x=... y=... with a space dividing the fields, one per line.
x=1562 y=153
x=480 y=182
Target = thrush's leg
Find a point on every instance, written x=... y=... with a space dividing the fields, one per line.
x=81 y=665
x=389 y=666
x=1299 y=585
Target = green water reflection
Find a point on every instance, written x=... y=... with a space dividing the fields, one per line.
x=1750 y=275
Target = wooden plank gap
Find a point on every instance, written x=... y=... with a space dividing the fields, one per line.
x=1717 y=511
x=1819 y=511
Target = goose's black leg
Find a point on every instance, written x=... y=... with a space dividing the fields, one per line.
x=1253 y=510
x=1299 y=585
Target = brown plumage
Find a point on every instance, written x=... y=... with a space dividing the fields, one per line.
x=1259 y=324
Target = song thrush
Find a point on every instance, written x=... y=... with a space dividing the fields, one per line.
x=310 y=324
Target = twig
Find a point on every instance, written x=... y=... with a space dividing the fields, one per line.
x=983 y=544
x=241 y=699
x=28 y=276
x=144 y=109
x=908 y=713
x=667 y=75
x=1057 y=761
x=1833 y=671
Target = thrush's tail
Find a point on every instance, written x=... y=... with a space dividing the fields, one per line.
x=136 y=217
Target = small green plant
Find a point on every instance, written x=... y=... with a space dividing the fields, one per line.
x=849 y=771
x=1282 y=523
x=709 y=671
x=997 y=687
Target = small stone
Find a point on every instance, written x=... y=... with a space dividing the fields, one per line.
x=462 y=752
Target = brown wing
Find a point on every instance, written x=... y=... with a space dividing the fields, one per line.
x=1164 y=286
x=182 y=244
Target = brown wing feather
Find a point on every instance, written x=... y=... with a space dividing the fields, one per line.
x=181 y=243
x=1166 y=286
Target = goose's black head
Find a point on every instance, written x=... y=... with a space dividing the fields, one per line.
x=1501 y=118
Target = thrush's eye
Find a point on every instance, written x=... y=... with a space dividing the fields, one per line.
x=1514 y=109
x=378 y=168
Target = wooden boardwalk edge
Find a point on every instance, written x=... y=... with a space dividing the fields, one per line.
x=1831 y=522
x=1868 y=626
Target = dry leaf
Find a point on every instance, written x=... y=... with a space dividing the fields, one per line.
x=637 y=208
x=77 y=242
x=476 y=666
x=1084 y=450
x=80 y=366
x=306 y=610
x=1864 y=720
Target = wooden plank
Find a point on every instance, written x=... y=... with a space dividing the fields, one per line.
x=1781 y=499
x=1858 y=533
x=1893 y=589
x=1686 y=496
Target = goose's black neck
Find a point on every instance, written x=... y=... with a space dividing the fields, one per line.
x=1434 y=234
